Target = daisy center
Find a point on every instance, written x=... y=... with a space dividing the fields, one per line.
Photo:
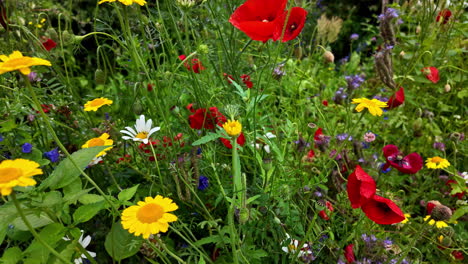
x=142 y=135
x=9 y=174
x=97 y=102
x=150 y=213
x=436 y=159
x=96 y=142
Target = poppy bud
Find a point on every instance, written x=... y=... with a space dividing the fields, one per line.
x=298 y=53
x=447 y=88
x=244 y=215
x=447 y=231
x=328 y=57
x=418 y=29
x=137 y=108
x=67 y=38
x=417 y=125
x=445 y=241
x=441 y=213
x=100 y=76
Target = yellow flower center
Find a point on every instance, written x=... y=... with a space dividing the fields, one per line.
x=436 y=159
x=150 y=213
x=96 y=142
x=292 y=247
x=9 y=174
x=142 y=135
x=97 y=102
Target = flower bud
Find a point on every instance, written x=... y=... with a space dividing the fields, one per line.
x=328 y=57
x=447 y=88
x=137 y=108
x=100 y=76
x=402 y=54
x=418 y=29
x=441 y=213
x=244 y=215
x=445 y=241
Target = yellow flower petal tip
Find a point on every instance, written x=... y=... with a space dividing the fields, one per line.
x=17 y=172
x=17 y=62
x=374 y=106
x=103 y=140
x=125 y=2
x=97 y=103
x=149 y=217
x=233 y=127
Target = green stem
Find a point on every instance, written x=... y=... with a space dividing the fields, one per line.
x=168 y=251
x=61 y=146
x=33 y=232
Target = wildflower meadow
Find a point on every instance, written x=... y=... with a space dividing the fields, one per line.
x=243 y=131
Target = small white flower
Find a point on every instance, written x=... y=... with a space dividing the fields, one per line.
x=84 y=242
x=465 y=176
x=142 y=131
x=293 y=246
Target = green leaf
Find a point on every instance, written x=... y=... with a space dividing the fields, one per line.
x=12 y=255
x=7 y=126
x=86 y=212
x=210 y=137
x=120 y=244
x=90 y=198
x=461 y=211
x=66 y=172
x=36 y=220
x=127 y=194
x=51 y=234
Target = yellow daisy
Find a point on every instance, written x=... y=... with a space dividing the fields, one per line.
x=437 y=163
x=103 y=140
x=149 y=217
x=373 y=105
x=233 y=127
x=16 y=61
x=97 y=103
x=17 y=172
x=438 y=224
x=125 y=2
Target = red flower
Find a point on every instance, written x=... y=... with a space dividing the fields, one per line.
x=431 y=206
x=49 y=44
x=318 y=134
x=445 y=15
x=458 y=195
x=323 y=213
x=240 y=141
x=195 y=65
x=458 y=255
x=409 y=164
x=228 y=77
x=203 y=119
x=294 y=25
x=325 y=102
x=397 y=99
x=382 y=211
x=361 y=187
x=432 y=74
x=246 y=80
x=258 y=18
x=349 y=253
x=149 y=87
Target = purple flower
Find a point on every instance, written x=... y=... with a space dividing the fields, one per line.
x=387 y=242
x=354 y=81
x=389 y=14
x=354 y=36
x=203 y=183
x=26 y=148
x=439 y=145
x=342 y=136
x=1 y=138
x=52 y=155
x=340 y=96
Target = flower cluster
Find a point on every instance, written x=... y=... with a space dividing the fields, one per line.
x=262 y=20
x=194 y=65
x=354 y=82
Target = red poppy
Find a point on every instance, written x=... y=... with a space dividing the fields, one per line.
x=294 y=25
x=203 y=119
x=445 y=15
x=349 y=254
x=149 y=87
x=195 y=65
x=258 y=18
x=431 y=206
x=240 y=141
x=432 y=74
x=458 y=255
x=228 y=77
x=325 y=102
x=458 y=195
x=190 y=108
x=323 y=213
x=382 y=211
x=397 y=99
x=409 y=164
x=246 y=80
x=49 y=44
x=318 y=134
x=361 y=187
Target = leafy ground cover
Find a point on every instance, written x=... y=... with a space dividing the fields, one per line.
x=253 y=131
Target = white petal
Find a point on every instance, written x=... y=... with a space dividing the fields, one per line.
x=78 y=261
x=148 y=125
x=154 y=129
x=267 y=148
x=92 y=254
x=128 y=133
x=270 y=135
x=85 y=241
x=126 y=138
x=285 y=249
x=130 y=130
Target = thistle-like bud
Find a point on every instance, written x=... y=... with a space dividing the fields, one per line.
x=244 y=215
x=328 y=57
x=441 y=213
x=203 y=49
x=445 y=241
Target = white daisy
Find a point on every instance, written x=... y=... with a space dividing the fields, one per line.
x=84 y=242
x=142 y=131
x=294 y=246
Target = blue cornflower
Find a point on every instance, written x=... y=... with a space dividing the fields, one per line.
x=203 y=183
x=52 y=155
x=387 y=242
x=354 y=36
x=354 y=81
x=1 y=138
x=26 y=148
